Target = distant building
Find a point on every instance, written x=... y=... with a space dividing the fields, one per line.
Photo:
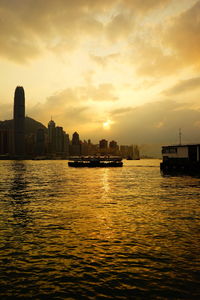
x=126 y=151
x=85 y=148
x=40 y=142
x=75 y=147
x=75 y=139
x=59 y=140
x=66 y=143
x=103 y=144
x=92 y=149
x=51 y=137
x=30 y=142
x=5 y=140
x=19 y=122
x=136 y=152
x=113 y=148
x=130 y=151
x=103 y=147
x=113 y=145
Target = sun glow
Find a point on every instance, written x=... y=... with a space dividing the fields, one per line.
x=106 y=124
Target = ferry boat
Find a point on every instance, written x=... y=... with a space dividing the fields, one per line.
x=93 y=162
x=181 y=160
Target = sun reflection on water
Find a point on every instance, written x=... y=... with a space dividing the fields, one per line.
x=80 y=229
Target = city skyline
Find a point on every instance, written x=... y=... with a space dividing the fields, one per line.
x=20 y=140
x=127 y=70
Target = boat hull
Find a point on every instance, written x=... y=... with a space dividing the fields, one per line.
x=76 y=164
x=180 y=168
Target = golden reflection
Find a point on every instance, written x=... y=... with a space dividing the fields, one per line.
x=105 y=182
x=100 y=225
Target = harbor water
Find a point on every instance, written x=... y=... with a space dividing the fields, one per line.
x=100 y=233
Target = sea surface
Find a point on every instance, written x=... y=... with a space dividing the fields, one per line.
x=102 y=233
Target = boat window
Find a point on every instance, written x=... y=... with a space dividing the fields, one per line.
x=169 y=150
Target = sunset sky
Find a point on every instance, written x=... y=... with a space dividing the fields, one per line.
x=126 y=69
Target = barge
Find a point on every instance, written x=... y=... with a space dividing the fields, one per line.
x=94 y=162
x=181 y=160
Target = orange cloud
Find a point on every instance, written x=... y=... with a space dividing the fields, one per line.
x=146 y=5
x=183 y=36
x=183 y=86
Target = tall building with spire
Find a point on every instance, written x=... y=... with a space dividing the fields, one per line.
x=19 y=121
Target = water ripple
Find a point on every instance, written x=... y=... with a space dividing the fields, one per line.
x=121 y=233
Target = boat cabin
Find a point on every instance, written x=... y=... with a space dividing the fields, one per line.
x=181 y=159
x=181 y=152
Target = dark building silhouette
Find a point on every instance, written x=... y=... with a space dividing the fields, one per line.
x=113 y=148
x=59 y=140
x=52 y=137
x=103 y=144
x=103 y=147
x=40 y=142
x=66 y=143
x=30 y=144
x=7 y=138
x=75 y=139
x=4 y=141
x=113 y=145
x=84 y=148
x=19 y=122
x=75 y=148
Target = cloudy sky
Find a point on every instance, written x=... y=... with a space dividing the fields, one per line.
x=122 y=69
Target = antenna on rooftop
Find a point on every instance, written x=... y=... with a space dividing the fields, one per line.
x=180 y=136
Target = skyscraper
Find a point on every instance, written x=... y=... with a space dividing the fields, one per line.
x=19 y=121
x=52 y=136
x=75 y=139
x=103 y=147
x=75 y=148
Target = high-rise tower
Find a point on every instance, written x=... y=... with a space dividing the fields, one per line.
x=52 y=136
x=19 y=121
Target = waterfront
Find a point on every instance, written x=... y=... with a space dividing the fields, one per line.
x=114 y=233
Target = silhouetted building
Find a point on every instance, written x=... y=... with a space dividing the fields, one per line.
x=66 y=143
x=19 y=122
x=84 y=148
x=103 y=147
x=113 y=144
x=113 y=148
x=30 y=144
x=130 y=152
x=4 y=141
x=52 y=137
x=59 y=140
x=75 y=139
x=75 y=147
x=136 y=152
x=103 y=144
x=40 y=142
x=126 y=151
